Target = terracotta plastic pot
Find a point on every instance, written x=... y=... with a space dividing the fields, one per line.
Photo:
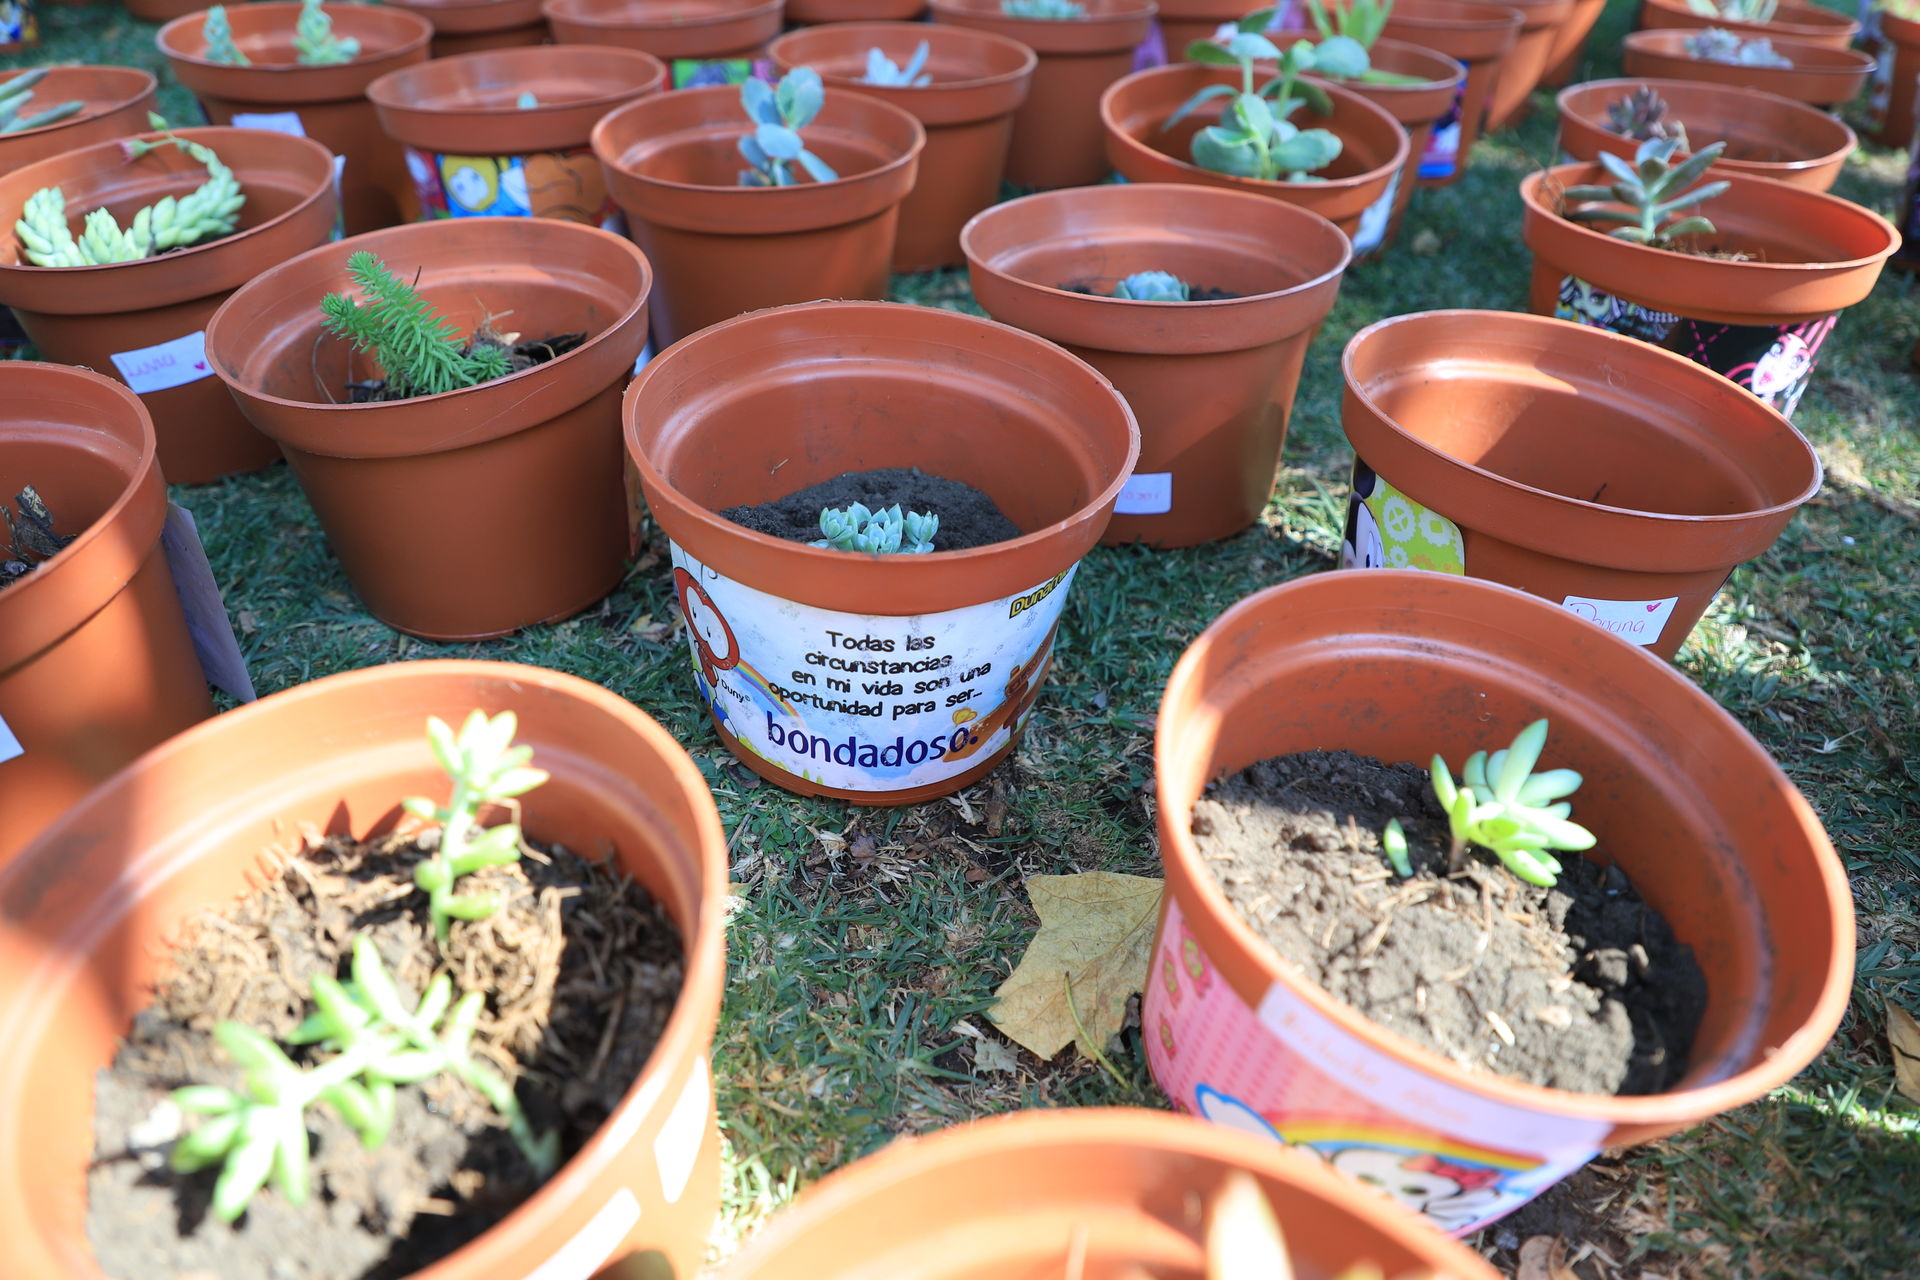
x=1895 y=73
x=117 y=101
x=328 y=104
x=87 y=912
x=1761 y=320
x=474 y=151
x=1821 y=76
x=1400 y=665
x=1374 y=149
x=979 y=80
x=1521 y=69
x=671 y=29
x=1797 y=23
x=816 y=12
x=163 y=10
x=1563 y=60
x=1766 y=136
x=1010 y=1196
x=471 y=26
x=722 y=248
x=1602 y=473
x=1211 y=383
x=1184 y=21
x=1479 y=36
x=146 y=321
x=411 y=492
x=877 y=679
x=95 y=661
x=1056 y=132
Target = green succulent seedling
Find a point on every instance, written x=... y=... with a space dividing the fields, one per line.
x=1643 y=114
x=1044 y=10
x=1717 y=44
x=1736 y=10
x=218 y=33
x=1360 y=21
x=17 y=92
x=526 y=101
x=378 y=1044
x=1504 y=807
x=314 y=43
x=1652 y=190
x=415 y=345
x=778 y=114
x=1153 y=286
x=485 y=768
x=1255 y=138
x=1393 y=843
x=883 y=70
x=882 y=532
x=210 y=210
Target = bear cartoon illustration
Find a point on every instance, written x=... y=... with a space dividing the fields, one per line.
x=1023 y=690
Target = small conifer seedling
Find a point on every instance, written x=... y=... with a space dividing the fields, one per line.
x=415 y=345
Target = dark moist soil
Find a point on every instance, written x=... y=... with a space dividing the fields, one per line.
x=1580 y=987
x=1195 y=292
x=30 y=537
x=968 y=517
x=581 y=969
x=520 y=355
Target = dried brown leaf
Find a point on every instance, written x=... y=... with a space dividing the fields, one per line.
x=1544 y=1258
x=1096 y=930
x=1903 y=1039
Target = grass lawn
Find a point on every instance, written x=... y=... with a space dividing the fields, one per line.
x=866 y=944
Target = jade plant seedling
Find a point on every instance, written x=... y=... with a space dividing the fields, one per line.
x=1255 y=138
x=208 y=211
x=882 y=532
x=484 y=768
x=778 y=114
x=1652 y=190
x=1358 y=21
x=1717 y=44
x=1736 y=10
x=1643 y=115
x=1153 y=286
x=17 y=92
x=314 y=44
x=883 y=70
x=415 y=345
x=1044 y=10
x=1505 y=807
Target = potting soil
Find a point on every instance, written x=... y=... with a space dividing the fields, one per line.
x=581 y=969
x=1580 y=987
x=968 y=517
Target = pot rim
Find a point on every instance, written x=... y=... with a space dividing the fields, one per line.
x=1805 y=21
x=1408 y=588
x=1845 y=138
x=1807 y=59
x=146 y=80
x=1450 y=15
x=928 y=31
x=579 y=11
x=1107 y=30
x=167 y=40
x=388 y=92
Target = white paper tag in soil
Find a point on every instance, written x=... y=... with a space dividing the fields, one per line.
x=1145 y=495
x=1637 y=621
x=10 y=747
x=866 y=702
x=275 y=121
x=594 y=1244
x=676 y=1148
x=165 y=365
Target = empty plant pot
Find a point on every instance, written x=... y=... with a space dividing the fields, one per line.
x=1400 y=666
x=1373 y=147
x=672 y=30
x=1479 y=36
x=115 y=103
x=819 y=12
x=95 y=662
x=1894 y=77
x=326 y=103
x=413 y=493
x=88 y=914
x=1797 y=23
x=1122 y=1190
x=979 y=81
x=722 y=248
x=1604 y=474
x=1056 y=131
x=473 y=150
x=1819 y=75
x=1211 y=383
x=1760 y=318
x=145 y=321
x=881 y=679
x=1766 y=136
x=1527 y=61
x=470 y=26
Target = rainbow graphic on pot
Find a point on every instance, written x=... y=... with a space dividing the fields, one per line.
x=1287 y=1071
x=550 y=184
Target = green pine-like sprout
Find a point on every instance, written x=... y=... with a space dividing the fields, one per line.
x=485 y=768
x=17 y=92
x=210 y=210
x=1255 y=138
x=1044 y=10
x=777 y=115
x=1153 y=286
x=378 y=1043
x=314 y=43
x=882 y=532
x=414 y=344
x=219 y=36
x=1652 y=189
x=1504 y=807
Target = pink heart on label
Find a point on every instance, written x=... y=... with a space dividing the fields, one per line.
x=200 y=364
x=1650 y=608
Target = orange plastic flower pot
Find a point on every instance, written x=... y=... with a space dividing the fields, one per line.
x=668 y=29
x=87 y=912
x=1527 y=62
x=1821 y=76
x=1184 y=21
x=882 y=679
x=1121 y=1189
x=1211 y=383
x=807 y=13
x=116 y=101
x=1480 y=36
x=1399 y=666
x=1563 y=60
x=1895 y=77
x=1619 y=480
x=1795 y=23
x=471 y=26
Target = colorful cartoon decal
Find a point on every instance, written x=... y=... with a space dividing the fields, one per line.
x=1388 y=530
x=1775 y=362
x=1442 y=155
x=567 y=185
x=694 y=73
x=18 y=24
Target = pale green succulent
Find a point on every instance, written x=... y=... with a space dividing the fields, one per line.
x=883 y=70
x=1153 y=286
x=1652 y=189
x=778 y=114
x=1255 y=138
x=882 y=532
x=14 y=96
x=1504 y=807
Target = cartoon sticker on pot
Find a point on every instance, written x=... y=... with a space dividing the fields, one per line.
x=1442 y=155
x=1387 y=529
x=18 y=24
x=553 y=184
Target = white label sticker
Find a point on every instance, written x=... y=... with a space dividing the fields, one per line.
x=1145 y=495
x=10 y=747
x=164 y=365
x=1637 y=621
x=676 y=1148
x=593 y=1245
x=277 y=121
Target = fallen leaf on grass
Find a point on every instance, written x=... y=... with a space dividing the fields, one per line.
x=994 y=1055
x=1096 y=930
x=1544 y=1258
x=1903 y=1038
